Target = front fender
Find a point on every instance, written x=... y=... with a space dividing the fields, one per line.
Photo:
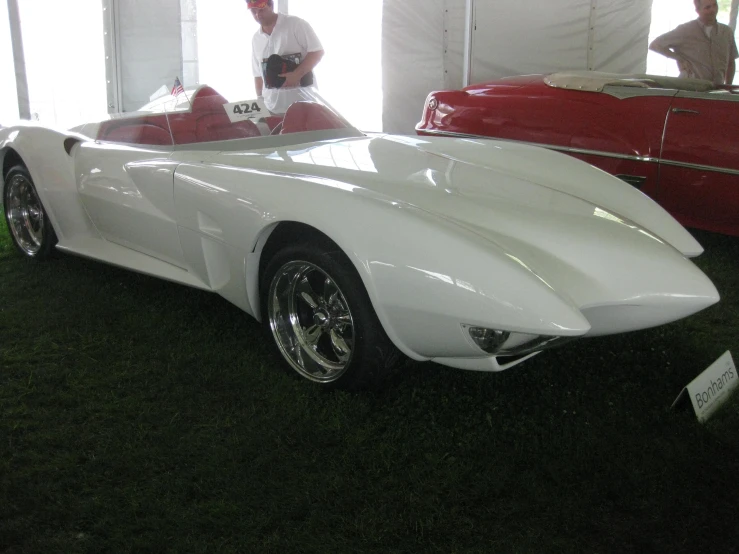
x=440 y=276
x=425 y=276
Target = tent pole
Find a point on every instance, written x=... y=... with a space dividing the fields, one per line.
x=19 y=60
x=469 y=28
x=112 y=56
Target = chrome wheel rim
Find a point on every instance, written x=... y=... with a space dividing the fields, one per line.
x=25 y=214
x=311 y=321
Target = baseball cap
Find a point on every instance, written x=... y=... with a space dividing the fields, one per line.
x=256 y=4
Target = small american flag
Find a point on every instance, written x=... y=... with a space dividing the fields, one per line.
x=177 y=88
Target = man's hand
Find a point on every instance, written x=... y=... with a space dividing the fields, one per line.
x=292 y=79
x=685 y=68
x=730 y=72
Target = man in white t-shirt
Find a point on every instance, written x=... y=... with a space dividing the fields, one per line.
x=295 y=41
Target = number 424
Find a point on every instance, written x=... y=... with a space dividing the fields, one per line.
x=246 y=108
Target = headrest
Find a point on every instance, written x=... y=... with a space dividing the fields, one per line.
x=309 y=116
x=206 y=99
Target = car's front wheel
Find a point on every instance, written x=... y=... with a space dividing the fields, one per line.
x=322 y=321
x=28 y=222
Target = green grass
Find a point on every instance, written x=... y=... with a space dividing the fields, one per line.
x=141 y=416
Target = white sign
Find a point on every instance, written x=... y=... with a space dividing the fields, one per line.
x=246 y=109
x=712 y=387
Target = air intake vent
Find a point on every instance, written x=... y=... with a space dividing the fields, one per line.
x=633 y=180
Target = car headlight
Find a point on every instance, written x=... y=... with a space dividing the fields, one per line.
x=489 y=340
x=505 y=343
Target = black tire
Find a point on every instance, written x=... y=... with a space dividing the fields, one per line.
x=322 y=294
x=25 y=216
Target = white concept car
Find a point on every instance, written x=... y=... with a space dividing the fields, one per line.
x=473 y=253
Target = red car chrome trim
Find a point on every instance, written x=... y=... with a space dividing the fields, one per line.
x=702 y=167
x=567 y=149
x=571 y=150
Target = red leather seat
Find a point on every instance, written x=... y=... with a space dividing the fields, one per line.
x=184 y=124
x=182 y=127
x=148 y=130
x=206 y=121
x=219 y=127
x=212 y=122
x=309 y=116
x=273 y=121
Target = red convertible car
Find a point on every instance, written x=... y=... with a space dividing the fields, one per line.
x=677 y=140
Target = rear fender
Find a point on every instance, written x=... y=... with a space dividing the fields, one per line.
x=44 y=154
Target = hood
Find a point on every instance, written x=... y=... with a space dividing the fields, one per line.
x=585 y=233
x=506 y=187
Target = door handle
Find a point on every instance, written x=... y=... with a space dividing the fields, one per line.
x=636 y=181
x=683 y=110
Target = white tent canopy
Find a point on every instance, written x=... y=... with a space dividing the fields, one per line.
x=426 y=45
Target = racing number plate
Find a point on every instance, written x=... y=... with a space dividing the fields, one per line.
x=246 y=109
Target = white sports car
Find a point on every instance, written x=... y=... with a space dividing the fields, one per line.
x=474 y=253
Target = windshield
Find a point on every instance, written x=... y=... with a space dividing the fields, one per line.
x=203 y=115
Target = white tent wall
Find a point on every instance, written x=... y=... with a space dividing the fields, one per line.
x=455 y=26
x=412 y=59
x=423 y=44
x=146 y=37
x=621 y=35
x=190 y=64
x=528 y=36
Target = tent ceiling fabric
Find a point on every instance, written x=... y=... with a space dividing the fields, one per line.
x=423 y=44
